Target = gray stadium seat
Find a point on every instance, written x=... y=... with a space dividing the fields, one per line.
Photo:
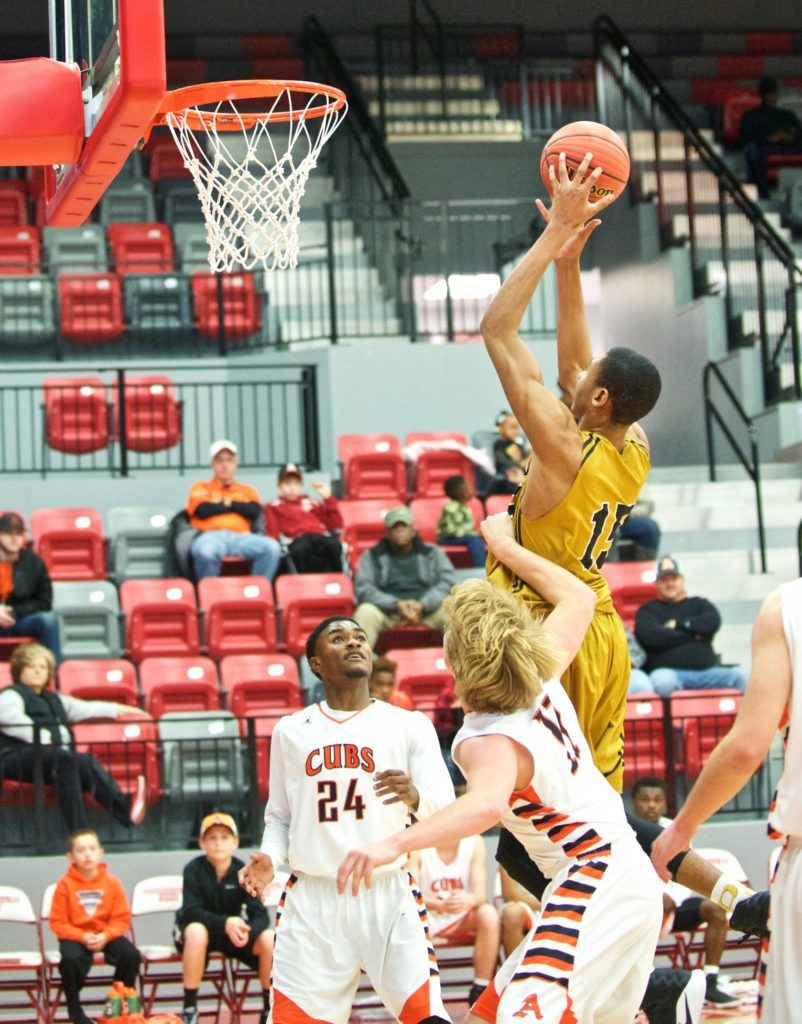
x=89 y=615
x=191 y=242
x=157 y=303
x=26 y=309
x=202 y=754
x=129 y=202
x=138 y=536
x=132 y=169
x=179 y=200
x=76 y=250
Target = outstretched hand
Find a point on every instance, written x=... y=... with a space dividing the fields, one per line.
x=572 y=249
x=572 y=213
x=256 y=875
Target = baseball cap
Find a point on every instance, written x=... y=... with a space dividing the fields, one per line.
x=218 y=818
x=667 y=565
x=289 y=469
x=222 y=446
x=10 y=522
x=399 y=514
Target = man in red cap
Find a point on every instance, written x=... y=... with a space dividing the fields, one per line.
x=307 y=526
x=26 y=593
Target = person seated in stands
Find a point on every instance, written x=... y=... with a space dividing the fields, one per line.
x=639 y=681
x=227 y=515
x=685 y=909
x=26 y=593
x=520 y=913
x=218 y=916
x=643 y=533
x=305 y=525
x=89 y=915
x=676 y=631
x=768 y=130
x=382 y=684
x=401 y=581
x=457 y=527
x=31 y=701
x=453 y=883
x=510 y=454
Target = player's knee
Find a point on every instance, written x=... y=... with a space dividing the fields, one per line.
x=264 y=944
x=513 y=915
x=713 y=914
x=196 y=937
x=487 y=916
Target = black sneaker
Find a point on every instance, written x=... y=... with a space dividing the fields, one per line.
x=713 y=994
x=751 y=916
x=189 y=1016
x=674 y=997
x=475 y=992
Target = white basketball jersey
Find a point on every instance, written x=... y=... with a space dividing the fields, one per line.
x=785 y=816
x=568 y=810
x=439 y=879
x=322 y=763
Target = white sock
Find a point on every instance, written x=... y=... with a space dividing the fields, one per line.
x=711 y=969
x=484 y=982
x=728 y=893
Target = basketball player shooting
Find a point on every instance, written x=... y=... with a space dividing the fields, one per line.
x=527 y=763
x=345 y=772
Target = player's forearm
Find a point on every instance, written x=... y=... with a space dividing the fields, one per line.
x=573 y=334
x=470 y=815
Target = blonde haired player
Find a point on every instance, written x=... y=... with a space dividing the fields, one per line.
x=773 y=700
x=345 y=772
x=526 y=762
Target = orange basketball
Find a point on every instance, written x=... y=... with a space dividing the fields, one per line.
x=579 y=138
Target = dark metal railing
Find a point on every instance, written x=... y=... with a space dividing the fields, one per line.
x=799 y=545
x=118 y=420
x=735 y=250
x=750 y=462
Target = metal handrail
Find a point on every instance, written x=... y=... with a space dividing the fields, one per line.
x=750 y=463
x=766 y=237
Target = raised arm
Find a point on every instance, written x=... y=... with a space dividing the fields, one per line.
x=574 y=602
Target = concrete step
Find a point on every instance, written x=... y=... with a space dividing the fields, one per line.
x=432 y=107
x=423 y=83
x=467 y=130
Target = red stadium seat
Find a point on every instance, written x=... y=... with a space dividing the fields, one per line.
x=153 y=413
x=141 y=248
x=405 y=637
x=91 y=307
x=739 y=66
x=264 y=726
x=242 y=314
x=703 y=718
x=13 y=202
x=644 y=738
x=631 y=585
x=306 y=599
x=76 y=414
x=239 y=615
x=164 y=156
x=497 y=503
x=363 y=526
x=70 y=540
x=495 y=45
x=104 y=679
x=435 y=467
x=5 y=674
x=735 y=107
x=8 y=644
x=179 y=684
x=255 y=683
x=161 y=618
x=426 y=513
x=372 y=467
x=126 y=748
x=20 y=250
x=769 y=42
x=180 y=71
x=270 y=45
x=278 y=67
x=421 y=673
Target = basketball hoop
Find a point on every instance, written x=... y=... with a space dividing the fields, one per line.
x=251 y=169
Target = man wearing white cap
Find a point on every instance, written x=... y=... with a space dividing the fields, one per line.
x=226 y=512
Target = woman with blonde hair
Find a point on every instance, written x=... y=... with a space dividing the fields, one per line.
x=527 y=763
x=31 y=702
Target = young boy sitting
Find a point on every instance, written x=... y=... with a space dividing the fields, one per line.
x=457 y=527
x=217 y=916
x=89 y=915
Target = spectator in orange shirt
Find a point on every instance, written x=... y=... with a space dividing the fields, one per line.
x=307 y=526
x=382 y=684
x=226 y=514
x=90 y=914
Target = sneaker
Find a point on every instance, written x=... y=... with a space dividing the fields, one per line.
x=137 y=812
x=189 y=1016
x=751 y=916
x=475 y=992
x=263 y=1017
x=674 y=997
x=713 y=994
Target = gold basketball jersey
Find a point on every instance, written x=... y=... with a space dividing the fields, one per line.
x=579 y=531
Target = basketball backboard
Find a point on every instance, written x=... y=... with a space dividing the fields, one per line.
x=119 y=47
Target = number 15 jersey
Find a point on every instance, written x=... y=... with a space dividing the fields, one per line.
x=322 y=765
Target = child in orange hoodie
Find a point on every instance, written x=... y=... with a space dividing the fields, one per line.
x=90 y=914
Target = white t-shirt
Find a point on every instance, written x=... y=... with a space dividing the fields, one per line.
x=439 y=879
x=322 y=762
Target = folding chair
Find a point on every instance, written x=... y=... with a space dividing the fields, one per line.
x=22 y=976
x=241 y=974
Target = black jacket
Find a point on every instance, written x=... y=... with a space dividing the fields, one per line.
x=686 y=645
x=33 y=591
x=210 y=902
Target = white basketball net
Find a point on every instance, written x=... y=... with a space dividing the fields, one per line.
x=250 y=183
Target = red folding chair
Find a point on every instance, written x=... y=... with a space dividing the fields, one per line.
x=103 y=679
x=141 y=248
x=363 y=525
x=433 y=468
x=421 y=673
x=427 y=511
x=239 y=615
x=631 y=585
x=255 y=683
x=22 y=974
x=161 y=618
x=70 y=540
x=306 y=599
x=76 y=415
x=372 y=467
x=179 y=684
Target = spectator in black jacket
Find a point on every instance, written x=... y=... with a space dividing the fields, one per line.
x=217 y=915
x=676 y=631
x=768 y=130
x=26 y=594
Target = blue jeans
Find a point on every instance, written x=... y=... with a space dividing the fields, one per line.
x=474 y=544
x=209 y=549
x=666 y=680
x=639 y=682
x=43 y=625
